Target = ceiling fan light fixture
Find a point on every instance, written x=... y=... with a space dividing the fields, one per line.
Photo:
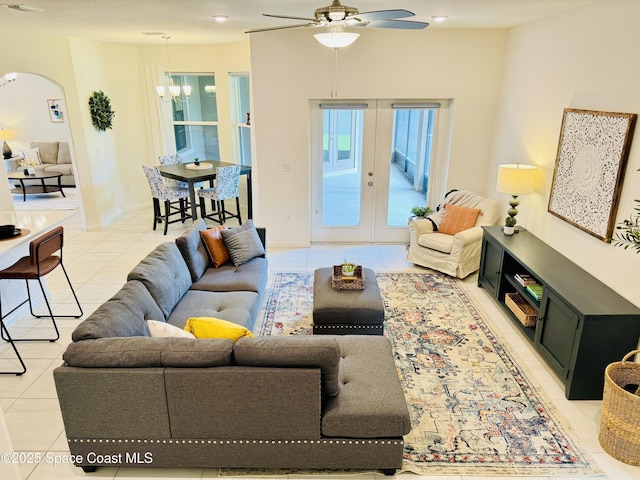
x=439 y=18
x=336 y=39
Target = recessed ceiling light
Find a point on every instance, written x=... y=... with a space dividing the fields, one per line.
x=220 y=18
x=439 y=18
x=23 y=8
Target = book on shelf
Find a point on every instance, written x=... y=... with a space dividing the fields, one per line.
x=524 y=279
x=535 y=290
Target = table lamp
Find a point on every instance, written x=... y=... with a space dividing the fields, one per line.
x=5 y=135
x=514 y=179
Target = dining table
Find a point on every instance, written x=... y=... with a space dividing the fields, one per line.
x=206 y=171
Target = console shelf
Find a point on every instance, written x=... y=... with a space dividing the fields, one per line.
x=582 y=324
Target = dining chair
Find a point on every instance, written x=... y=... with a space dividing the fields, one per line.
x=40 y=262
x=168 y=195
x=227 y=186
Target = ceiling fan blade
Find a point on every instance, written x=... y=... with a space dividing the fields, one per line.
x=282 y=27
x=400 y=24
x=382 y=15
x=289 y=18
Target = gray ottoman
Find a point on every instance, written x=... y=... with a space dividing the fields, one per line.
x=347 y=312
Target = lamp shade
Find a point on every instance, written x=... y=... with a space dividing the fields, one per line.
x=516 y=179
x=336 y=39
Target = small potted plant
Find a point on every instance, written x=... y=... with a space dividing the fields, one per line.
x=196 y=161
x=419 y=212
x=348 y=269
x=509 y=225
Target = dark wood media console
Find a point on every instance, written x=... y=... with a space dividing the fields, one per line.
x=582 y=324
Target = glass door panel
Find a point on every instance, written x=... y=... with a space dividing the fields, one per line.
x=342 y=168
x=409 y=163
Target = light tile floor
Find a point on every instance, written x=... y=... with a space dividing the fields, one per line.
x=98 y=263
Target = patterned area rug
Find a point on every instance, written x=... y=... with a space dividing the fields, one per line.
x=474 y=410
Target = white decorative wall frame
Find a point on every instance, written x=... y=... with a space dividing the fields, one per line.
x=590 y=164
x=55 y=110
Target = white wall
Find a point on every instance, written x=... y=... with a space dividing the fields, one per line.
x=289 y=68
x=582 y=59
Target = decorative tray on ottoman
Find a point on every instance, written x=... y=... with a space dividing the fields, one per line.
x=343 y=282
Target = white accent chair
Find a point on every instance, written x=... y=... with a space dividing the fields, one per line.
x=456 y=255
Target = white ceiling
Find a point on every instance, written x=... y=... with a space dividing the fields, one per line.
x=190 y=22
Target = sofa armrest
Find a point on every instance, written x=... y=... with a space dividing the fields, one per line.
x=467 y=237
x=421 y=226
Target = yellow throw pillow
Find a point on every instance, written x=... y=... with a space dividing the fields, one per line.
x=205 y=327
x=456 y=219
x=216 y=248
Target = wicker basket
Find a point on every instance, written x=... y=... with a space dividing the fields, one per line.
x=339 y=282
x=527 y=315
x=620 y=422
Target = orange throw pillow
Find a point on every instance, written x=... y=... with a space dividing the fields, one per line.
x=216 y=248
x=456 y=219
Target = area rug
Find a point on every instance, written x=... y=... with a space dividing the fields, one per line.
x=48 y=201
x=474 y=410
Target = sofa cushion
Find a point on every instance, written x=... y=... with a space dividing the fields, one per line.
x=293 y=351
x=123 y=315
x=64 y=154
x=64 y=169
x=193 y=250
x=237 y=307
x=217 y=250
x=209 y=327
x=165 y=274
x=140 y=352
x=243 y=243
x=436 y=241
x=251 y=277
x=48 y=151
x=160 y=329
x=371 y=402
x=457 y=219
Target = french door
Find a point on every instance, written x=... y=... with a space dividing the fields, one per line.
x=370 y=163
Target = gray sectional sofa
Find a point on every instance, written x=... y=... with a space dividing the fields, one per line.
x=129 y=399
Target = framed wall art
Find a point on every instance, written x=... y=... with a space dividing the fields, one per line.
x=55 y=110
x=590 y=164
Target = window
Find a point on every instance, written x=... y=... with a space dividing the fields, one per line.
x=241 y=117
x=195 y=118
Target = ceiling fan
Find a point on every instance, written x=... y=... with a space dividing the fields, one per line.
x=337 y=16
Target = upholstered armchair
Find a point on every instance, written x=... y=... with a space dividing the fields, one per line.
x=450 y=239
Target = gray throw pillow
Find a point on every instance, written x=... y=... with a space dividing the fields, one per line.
x=243 y=243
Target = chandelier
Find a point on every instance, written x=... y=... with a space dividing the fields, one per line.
x=175 y=91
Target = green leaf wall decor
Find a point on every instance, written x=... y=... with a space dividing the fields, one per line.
x=100 y=108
